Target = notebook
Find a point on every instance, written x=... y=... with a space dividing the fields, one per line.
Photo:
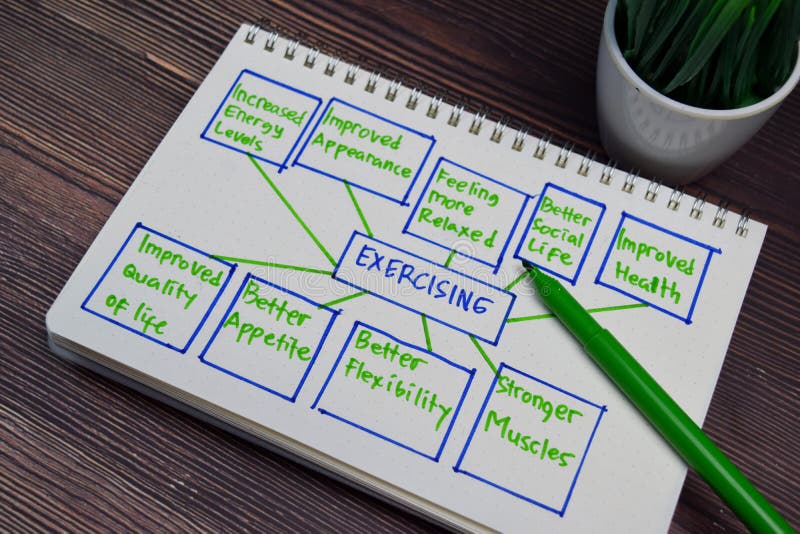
x=328 y=261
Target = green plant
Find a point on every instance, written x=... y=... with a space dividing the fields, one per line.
x=718 y=54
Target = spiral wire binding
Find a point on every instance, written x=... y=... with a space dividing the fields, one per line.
x=541 y=147
x=608 y=173
x=413 y=98
x=499 y=128
x=455 y=115
x=372 y=82
x=311 y=58
x=350 y=77
x=519 y=139
x=630 y=182
x=697 y=207
x=586 y=164
x=722 y=212
x=652 y=191
x=741 y=226
x=433 y=107
x=330 y=68
x=564 y=154
x=477 y=122
x=391 y=92
x=291 y=48
x=675 y=199
x=542 y=144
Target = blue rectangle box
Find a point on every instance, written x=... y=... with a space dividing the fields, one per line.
x=495 y=265
x=544 y=268
x=291 y=397
x=493 y=342
x=711 y=250
x=556 y=509
x=349 y=180
x=140 y=226
x=280 y=164
x=431 y=456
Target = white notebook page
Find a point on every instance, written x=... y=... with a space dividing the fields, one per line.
x=341 y=273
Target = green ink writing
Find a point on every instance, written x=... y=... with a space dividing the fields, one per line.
x=279 y=310
x=435 y=197
x=169 y=287
x=233 y=111
x=249 y=332
x=251 y=120
x=345 y=126
x=143 y=315
x=471 y=188
x=361 y=134
x=167 y=256
x=239 y=137
x=446 y=224
x=117 y=304
x=567 y=213
x=262 y=103
x=388 y=351
x=549 y=240
x=334 y=148
x=642 y=249
x=658 y=285
x=443 y=196
x=410 y=392
x=399 y=387
x=562 y=412
x=542 y=450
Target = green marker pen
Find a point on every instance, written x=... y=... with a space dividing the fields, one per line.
x=657 y=406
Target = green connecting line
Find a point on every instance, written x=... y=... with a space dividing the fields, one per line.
x=516 y=281
x=275 y=265
x=358 y=209
x=492 y=366
x=450 y=258
x=343 y=299
x=293 y=212
x=590 y=310
x=543 y=316
x=427 y=333
x=529 y=318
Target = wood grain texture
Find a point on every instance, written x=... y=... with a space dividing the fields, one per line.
x=87 y=90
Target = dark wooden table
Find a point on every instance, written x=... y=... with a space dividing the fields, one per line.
x=87 y=90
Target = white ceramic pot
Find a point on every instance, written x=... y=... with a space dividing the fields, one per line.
x=659 y=137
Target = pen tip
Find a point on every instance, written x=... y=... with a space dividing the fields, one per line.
x=540 y=280
x=531 y=268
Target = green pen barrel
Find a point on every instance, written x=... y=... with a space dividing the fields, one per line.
x=688 y=439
